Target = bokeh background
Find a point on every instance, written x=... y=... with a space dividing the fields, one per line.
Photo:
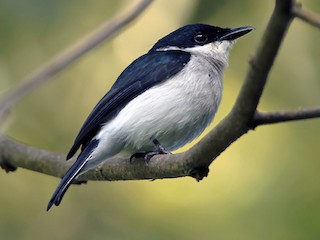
x=264 y=186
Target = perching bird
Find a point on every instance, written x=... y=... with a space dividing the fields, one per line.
x=161 y=101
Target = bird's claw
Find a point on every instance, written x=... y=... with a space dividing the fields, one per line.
x=148 y=155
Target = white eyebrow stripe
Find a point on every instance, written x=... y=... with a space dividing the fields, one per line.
x=169 y=48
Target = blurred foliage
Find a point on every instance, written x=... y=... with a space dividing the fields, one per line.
x=265 y=186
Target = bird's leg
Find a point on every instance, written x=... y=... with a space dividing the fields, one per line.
x=160 y=148
x=148 y=155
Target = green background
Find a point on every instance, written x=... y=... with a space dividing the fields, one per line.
x=264 y=186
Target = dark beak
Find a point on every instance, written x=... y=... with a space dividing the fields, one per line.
x=234 y=33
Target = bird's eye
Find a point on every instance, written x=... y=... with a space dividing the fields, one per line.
x=200 y=38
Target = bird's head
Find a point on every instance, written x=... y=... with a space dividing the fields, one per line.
x=202 y=39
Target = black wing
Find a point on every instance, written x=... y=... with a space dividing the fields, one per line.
x=142 y=74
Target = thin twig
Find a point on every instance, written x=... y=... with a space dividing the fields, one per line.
x=306 y=16
x=262 y=118
x=68 y=56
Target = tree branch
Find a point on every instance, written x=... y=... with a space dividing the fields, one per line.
x=14 y=155
x=68 y=56
x=195 y=161
x=306 y=16
x=262 y=118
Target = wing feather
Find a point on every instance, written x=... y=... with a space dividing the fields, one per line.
x=144 y=73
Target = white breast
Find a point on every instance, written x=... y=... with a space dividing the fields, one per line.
x=174 y=112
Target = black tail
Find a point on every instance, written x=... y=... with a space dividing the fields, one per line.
x=71 y=174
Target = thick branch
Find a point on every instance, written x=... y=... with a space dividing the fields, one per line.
x=262 y=118
x=67 y=57
x=262 y=61
x=306 y=16
x=15 y=155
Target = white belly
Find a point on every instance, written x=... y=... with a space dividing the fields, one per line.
x=174 y=112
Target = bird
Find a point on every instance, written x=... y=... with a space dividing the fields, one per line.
x=163 y=100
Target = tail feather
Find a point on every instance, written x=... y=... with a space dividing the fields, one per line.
x=71 y=174
x=66 y=182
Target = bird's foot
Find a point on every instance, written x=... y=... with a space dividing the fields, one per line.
x=148 y=155
x=160 y=148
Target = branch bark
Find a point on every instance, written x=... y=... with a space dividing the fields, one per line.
x=195 y=161
x=306 y=16
x=262 y=118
